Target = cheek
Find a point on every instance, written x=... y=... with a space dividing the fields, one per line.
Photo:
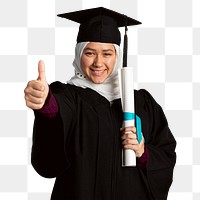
x=84 y=64
x=85 y=61
x=112 y=64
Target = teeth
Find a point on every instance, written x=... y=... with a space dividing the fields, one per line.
x=98 y=72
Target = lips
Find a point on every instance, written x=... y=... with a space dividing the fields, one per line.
x=97 y=72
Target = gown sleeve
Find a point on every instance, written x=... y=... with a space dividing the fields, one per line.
x=50 y=108
x=161 y=146
x=48 y=156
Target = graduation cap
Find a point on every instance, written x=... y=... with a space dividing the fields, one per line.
x=100 y=25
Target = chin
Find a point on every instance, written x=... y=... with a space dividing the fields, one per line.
x=98 y=81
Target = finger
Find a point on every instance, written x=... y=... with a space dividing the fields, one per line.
x=129 y=136
x=128 y=129
x=129 y=133
x=41 y=71
x=33 y=105
x=34 y=100
x=35 y=85
x=130 y=142
x=34 y=93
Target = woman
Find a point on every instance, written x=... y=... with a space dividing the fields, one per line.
x=77 y=134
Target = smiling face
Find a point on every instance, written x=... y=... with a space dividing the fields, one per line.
x=98 y=60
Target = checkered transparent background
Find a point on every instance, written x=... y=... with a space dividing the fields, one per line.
x=165 y=51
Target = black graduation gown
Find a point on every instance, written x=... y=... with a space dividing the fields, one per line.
x=81 y=147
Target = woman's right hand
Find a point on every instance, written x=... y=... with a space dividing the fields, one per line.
x=37 y=91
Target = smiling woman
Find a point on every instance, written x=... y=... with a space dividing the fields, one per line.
x=77 y=134
x=98 y=60
x=105 y=57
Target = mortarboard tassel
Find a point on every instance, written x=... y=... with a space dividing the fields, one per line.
x=125 y=49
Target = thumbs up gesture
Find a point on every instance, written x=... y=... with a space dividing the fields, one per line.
x=37 y=91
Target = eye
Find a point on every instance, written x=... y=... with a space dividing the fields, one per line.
x=89 y=53
x=107 y=54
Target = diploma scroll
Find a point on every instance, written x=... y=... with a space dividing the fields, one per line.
x=129 y=117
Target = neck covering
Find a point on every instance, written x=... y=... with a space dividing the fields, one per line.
x=110 y=87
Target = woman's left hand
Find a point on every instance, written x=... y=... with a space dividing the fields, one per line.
x=129 y=140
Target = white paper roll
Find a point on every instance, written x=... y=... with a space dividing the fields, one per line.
x=127 y=94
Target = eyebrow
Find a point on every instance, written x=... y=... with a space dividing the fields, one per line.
x=88 y=48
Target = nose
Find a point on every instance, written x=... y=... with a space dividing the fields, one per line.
x=98 y=61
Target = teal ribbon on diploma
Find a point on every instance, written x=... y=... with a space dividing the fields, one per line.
x=131 y=116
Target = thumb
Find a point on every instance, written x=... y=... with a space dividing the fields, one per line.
x=41 y=71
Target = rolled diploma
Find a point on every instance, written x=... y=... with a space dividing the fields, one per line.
x=127 y=94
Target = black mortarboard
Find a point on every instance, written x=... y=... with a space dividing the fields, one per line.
x=100 y=25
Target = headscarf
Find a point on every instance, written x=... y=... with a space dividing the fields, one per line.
x=110 y=87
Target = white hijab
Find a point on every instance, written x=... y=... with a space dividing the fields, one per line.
x=110 y=87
